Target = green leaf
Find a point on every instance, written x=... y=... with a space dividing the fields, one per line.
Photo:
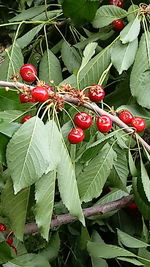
x=10 y=101
x=140 y=75
x=130 y=241
x=15 y=207
x=10 y=115
x=133 y=261
x=133 y=12
x=29 y=13
x=49 y=14
x=5 y=253
x=99 y=250
x=11 y=64
x=49 y=68
x=130 y=31
x=95 y=174
x=8 y=129
x=123 y=55
x=96 y=262
x=3 y=145
x=107 y=14
x=52 y=249
x=70 y=57
x=132 y=166
x=88 y=52
x=145 y=181
x=26 y=39
x=81 y=11
x=28 y=260
x=27 y=154
x=44 y=196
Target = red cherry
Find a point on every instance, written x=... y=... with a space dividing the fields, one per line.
x=132 y=206
x=24 y=98
x=40 y=94
x=76 y=135
x=126 y=116
x=118 y=24
x=83 y=120
x=28 y=73
x=14 y=249
x=31 y=100
x=118 y=3
x=138 y=123
x=9 y=240
x=104 y=123
x=49 y=88
x=96 y=93
x=2 y=227
x=133 y=209
x=26 y=118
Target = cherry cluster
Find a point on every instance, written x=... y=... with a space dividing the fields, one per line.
x=117 y=24
x=9 y=239
x=137 y=123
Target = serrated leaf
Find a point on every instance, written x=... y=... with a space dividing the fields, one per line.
x=70 y=57
x=29 y=13
x=130 y=31
x=49 y=68
x=27 y=154
x=99 y=250
x=11 y=64
x=140 y=75
x=15 y=207
x=44 y=196
x=123 y=55
x=107 y=14
x=130 y=241
x=145 y=181
x=26 y=39
x=95 y=174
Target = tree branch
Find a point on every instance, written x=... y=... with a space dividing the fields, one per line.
x=59 y=220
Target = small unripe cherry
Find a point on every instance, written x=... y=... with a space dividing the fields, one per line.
x=40 y=94
x=2 y=227
x=104 y=123
x=83 y=120
x=26 y=118
x=125 y=116
x=28 y=73
x=96 y=93
x=76 y=135
x=138 y=123
x=118 y=24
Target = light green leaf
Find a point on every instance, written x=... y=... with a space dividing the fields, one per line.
x=49 y=14
x=100 y=250
x=27 y=154
x=132 y=166
x=70 y=57
x=130 y=31
x=88 y=52
x=95 y=174
x=10 y=115
x=44 y=196
x=107 y=14
x=49 y=68
x=133 y=261
x=140 y=75
x=11 y=64
x=130 y=241
x=8 y=129
x=133 y=12
x=15 y=207
x=26 y=39
x=52 y=249
x=29 y=13
x=145 y=181
x=123 y=55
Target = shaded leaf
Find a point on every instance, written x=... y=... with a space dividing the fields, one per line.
x=26 y=39
x=130 y=241
x=70 y=57
x=29 y=13
x=52 y=249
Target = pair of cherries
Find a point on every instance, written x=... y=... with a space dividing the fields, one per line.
x=117 y=24
x=9 y=240
x=136 y=122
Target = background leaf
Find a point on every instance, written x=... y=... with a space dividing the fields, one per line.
x=130 y=241
x=70 y=57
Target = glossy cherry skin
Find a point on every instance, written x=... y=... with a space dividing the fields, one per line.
x=118 y=24
x=2 y=227
x=83 y=120
x=26 y=118
x=14 y=249
x=104 y=124
x=76 y=135
x=125 y=116
x=40 y=94
x=28 y=73
x=138 y=123
x=24 y=98
x=9 y=241
x=96 y=93
x=118 y=3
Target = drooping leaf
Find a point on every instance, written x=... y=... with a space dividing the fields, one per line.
x=107 y=14
x=145 y=181
x=96 y=262
x=49 y=68
x=27 y=154
x=140 y=75
x=130 y=31
x=123 y=55
x=15 y=207
x=130 y=241
x=81 y=11
x=29 y=13
x=88 y=52
x=95 y=174
x=133 y=12
x=133 y=261
x=52 y=249
x=44 y=196
x=70 y=57
x=132 y=166
x=11 y=64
